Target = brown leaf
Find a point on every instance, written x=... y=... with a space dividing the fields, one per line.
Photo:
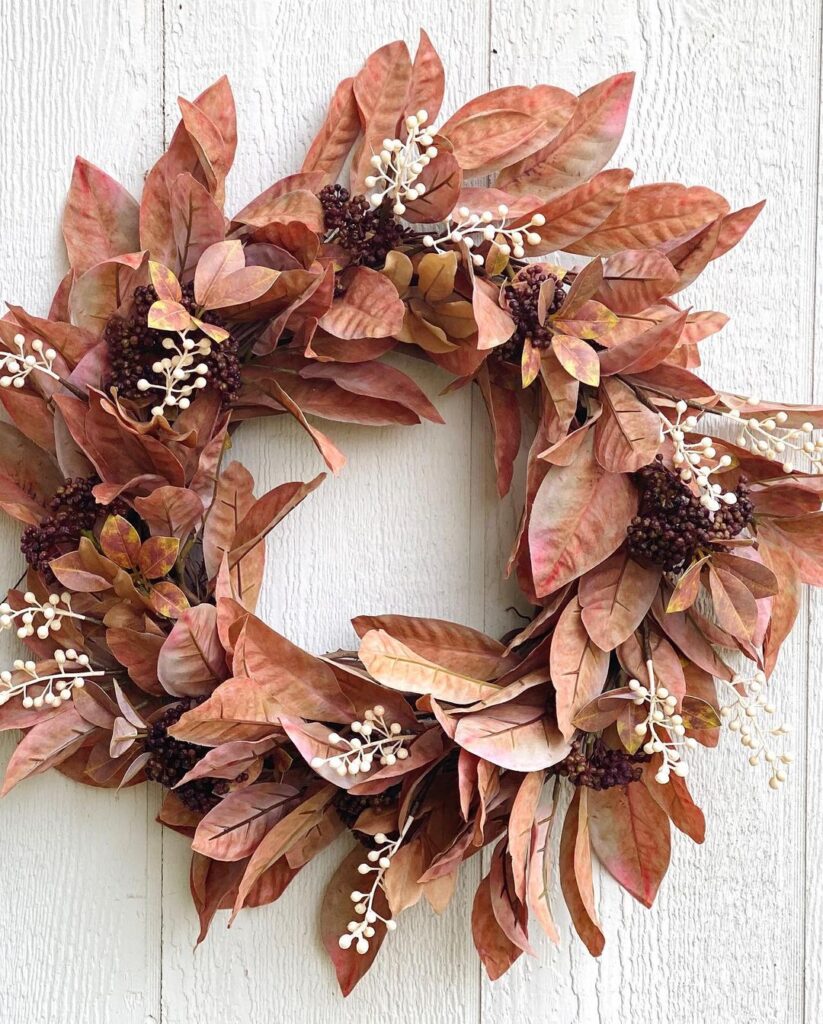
x=197 y=223
x=370 y=308
x=191 y=660
x=338 y=133
x=615 y=597
x=650 y=216
x=47 y=745
x=627 y=435
x=675 y=800
x=301 y=684
x=582 y=148
x=635 y=279
x=734 y=604
x=579 y=517
x=239 y=709
x=336 y=912
x=157 y=556
x=630 y=835
x=449 y=644
x=576 y=873
x=494 y=947
x=397 y=666
x=100 y=218
x=380 y=89
x=519 y=735
x=578 y=667
x=233 y=829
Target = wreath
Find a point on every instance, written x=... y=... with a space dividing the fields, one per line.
x=666 y=526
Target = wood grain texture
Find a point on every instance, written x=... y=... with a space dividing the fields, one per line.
x=81 y=870
x=96 y=923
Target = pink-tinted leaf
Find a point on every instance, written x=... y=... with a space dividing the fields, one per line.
x=519 y=735
x=635 y=279
x=233 y=829
x=376 y=380
x=47 y=745
x=339 y=132
x=442 y=179
x=371 y=308
x=579 y=517
x=676 y=801
x=630 y=835
x=239 y=709
x=627 y=435
x=578 y=667
x=303 y=685
x=397 y=666
x=646 y=350
x=495 y=949
x=485 y=141
x=427 y=80
x=579 y=211
x=504 y=417
x=100 y=218
x=734 y=604
x=380 y=89
x=170 y=511
x=191 y=660
x=576 y=872
x=494 y=325
x=734 y=226
x=197 y=223
x=582 y=148
x=651 y=215
x=615 y=597
x=217 y=262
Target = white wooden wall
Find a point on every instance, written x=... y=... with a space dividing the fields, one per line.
x=95 y=921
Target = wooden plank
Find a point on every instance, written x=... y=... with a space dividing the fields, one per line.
x=81 y=869
x=726 y=96
x=391 y=534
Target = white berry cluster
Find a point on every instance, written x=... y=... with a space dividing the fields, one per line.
x=776 y=442
x=688 y=460
x=19 y=364
x=378 y=861
x=399 y=164
x=743 y=716
x=662 y=715
x=51 y=613
x=50 y=688
x=473 y=229
x=374 y=739
x=181 y=371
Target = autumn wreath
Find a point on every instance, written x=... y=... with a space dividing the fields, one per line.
x=658 y=550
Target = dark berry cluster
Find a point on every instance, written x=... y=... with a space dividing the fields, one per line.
x=672 y=526
x=367 y=234
x=133 y=347
x=72 y=510
x=351 y=807
x=171 y=759
x=599 y=767
x=522 y=298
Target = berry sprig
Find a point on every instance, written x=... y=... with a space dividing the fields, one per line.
x=52 y=612
x=180 y=376
x=399 y=164
x=377 y=862
x=54 y=687
x=360 y=751
x=19 y=364
x=663 y=725
x=742 y=716
x=473 y=229
x=770 y=438
x=689 y=461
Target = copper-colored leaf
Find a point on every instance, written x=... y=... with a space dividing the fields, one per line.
x=370 y=308
x=582 y=148
x=652 y=215
x=578 y=667
x=734 y=604
x=519 y=735
x=397 y=666
x=635 y=279
x=157 y=556
x=627 y=436
x=579 y=517
x=337 y=135
x=615 y=597
x=577 y=358
x=576 y=872
x=191 y=660
x=233 y=829
x=630 y=835
x=100 y=218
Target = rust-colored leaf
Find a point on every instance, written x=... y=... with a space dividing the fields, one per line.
x=157 y=556
x=578 y=667
x=120 y=542
x=627 y=436
x=100 y=218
